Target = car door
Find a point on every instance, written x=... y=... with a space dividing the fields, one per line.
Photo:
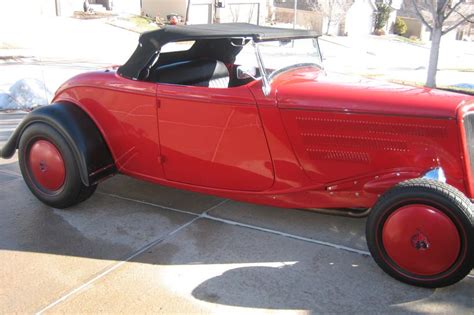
x=213 y=137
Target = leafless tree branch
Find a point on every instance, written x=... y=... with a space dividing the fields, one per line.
x=452 y=9
x=464 y=20
x=423 y=20
x=443 y=7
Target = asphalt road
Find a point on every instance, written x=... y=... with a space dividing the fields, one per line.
x=136 y=247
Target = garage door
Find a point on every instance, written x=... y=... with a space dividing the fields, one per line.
x=200 y=14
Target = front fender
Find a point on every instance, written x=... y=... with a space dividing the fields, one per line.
x=93 y=157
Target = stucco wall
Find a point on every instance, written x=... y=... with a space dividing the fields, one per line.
x=359 y=18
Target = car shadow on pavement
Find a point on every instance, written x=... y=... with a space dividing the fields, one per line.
x=289 y=288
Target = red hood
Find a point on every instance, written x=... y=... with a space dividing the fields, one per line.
x=310 y=89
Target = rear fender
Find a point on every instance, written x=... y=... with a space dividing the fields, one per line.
x=93 y=157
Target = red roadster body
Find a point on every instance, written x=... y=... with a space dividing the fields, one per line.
x=291 y=137
x=314 y=142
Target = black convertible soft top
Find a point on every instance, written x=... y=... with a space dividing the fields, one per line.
x=210 y=38
x=225 y=30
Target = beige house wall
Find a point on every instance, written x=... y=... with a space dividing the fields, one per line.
x=413 y=27
x=416 y=29
x=162 y=8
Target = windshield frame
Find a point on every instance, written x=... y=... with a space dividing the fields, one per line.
x=268 y=78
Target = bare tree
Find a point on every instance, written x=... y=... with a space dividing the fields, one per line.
x=441 y=17
x=333 y=10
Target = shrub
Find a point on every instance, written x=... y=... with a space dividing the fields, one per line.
x=400 y=27
x=382 y=15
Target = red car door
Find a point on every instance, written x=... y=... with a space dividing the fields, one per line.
x=213 y=137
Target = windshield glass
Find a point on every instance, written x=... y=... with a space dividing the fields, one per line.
x=278 y=56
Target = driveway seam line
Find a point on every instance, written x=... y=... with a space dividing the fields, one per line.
x=114 y=267
x=254 y=227
x=288 y=235
x=7 y=172
x=138 y=252
x=151 y=204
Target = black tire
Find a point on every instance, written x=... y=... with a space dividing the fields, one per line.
x=72 y=191
x=446 y=199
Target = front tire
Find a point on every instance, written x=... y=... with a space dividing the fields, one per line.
x=49 y=168
x=421 y=233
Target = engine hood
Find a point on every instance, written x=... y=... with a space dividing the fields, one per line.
x=314 y=90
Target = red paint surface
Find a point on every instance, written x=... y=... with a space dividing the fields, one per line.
x=286 y=149
x=429 y=228
x=217 y=141
x=46 y=165
x=309 y=89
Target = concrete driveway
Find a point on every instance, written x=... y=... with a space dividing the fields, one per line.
x=136 y=247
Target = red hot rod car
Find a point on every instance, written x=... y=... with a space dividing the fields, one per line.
x=247 y=112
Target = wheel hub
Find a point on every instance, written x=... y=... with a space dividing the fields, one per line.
x=421 y=239
x=46 y=165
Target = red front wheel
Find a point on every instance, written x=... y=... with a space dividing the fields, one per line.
x=421 y=232
x=49 y=167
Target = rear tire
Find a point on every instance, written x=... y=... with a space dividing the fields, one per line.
x=49 y=168
x=421 y=233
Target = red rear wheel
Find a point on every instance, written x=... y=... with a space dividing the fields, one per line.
x=421 y=232
x=46 y=165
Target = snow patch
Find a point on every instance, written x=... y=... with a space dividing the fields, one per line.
x=7 y=102
x=25 y=94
